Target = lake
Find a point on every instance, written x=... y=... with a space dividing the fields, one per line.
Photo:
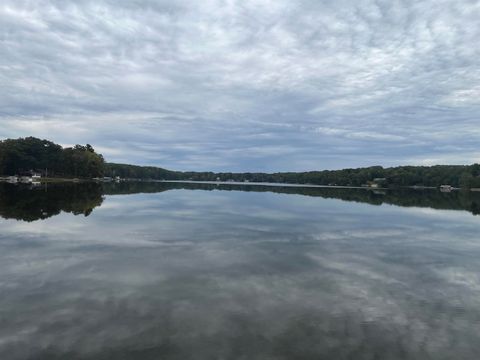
x=200 y=271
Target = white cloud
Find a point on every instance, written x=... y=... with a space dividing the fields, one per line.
x=205 y=77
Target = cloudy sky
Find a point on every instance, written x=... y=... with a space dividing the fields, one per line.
x=246 y=85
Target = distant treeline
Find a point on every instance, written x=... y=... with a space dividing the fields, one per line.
x=466 y=176
x=126 y=171
x=26 y=154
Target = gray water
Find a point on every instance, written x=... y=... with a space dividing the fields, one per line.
x=108 y=272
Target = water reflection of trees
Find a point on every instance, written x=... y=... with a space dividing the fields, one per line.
x=30 y=203
x=430 y=198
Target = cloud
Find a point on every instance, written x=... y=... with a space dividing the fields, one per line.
x=190 y=85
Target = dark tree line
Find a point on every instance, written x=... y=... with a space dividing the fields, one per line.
x=465 y=176
x=25 y=155
x=126 y=171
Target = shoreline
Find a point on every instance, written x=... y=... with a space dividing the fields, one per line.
x=234 y=183
x=241 y=183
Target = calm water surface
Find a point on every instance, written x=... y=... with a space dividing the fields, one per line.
x=157 y=271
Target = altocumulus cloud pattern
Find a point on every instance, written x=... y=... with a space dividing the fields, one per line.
x=246 y=85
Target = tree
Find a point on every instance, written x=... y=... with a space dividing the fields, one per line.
x=29 y=154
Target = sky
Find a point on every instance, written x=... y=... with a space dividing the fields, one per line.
x=252 y=85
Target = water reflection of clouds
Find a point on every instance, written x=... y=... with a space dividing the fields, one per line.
x=442 y=214
x=190 y=274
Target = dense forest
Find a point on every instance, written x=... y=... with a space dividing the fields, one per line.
x=30 y=154
x=126 y=171
x=465 y=176
x=27 y=155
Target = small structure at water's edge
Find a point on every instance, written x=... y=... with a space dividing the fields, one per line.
x=446 y=188
x=12 y=179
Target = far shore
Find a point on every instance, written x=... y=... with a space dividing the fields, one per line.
x=269 y=184
x=236 y=183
